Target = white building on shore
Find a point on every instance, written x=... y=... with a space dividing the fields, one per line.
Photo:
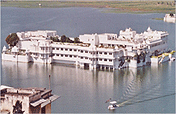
x=103 y=51
x=171 y=18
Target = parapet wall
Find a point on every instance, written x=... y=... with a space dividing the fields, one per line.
x=17 y=58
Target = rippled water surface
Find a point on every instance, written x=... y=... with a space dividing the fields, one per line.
x=149 y=89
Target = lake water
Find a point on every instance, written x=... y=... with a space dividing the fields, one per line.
x=150 y=89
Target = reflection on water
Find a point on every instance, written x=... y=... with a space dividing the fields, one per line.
x=90 y=89
x=83 y=90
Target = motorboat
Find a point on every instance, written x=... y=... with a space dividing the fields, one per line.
x=172 y=59
x=112 y=105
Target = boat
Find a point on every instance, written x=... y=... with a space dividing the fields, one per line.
x=172 y=59
x=112 y=105
x=163 y=57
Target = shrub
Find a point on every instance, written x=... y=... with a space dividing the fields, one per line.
x=12 y=39
x=76 y=40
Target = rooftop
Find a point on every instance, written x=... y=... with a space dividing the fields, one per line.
x=36 y=95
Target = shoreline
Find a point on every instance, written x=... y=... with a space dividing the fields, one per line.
x=114 y=6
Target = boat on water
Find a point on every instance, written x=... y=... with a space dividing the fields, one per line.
x=167 y=56
x=112 y=105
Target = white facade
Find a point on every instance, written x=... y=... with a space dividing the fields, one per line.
x=104 y=51
x=39 y=33
x=169 y=18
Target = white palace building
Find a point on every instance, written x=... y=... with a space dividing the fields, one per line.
x=103 y=51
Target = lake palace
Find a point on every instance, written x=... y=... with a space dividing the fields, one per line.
x=103 y=51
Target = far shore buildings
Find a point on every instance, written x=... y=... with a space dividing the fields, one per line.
x=26 y=100
x=170 y=18
x=103 y=51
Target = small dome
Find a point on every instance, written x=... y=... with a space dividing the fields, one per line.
x=149 y=29
x=15 y=49
x=4 y=49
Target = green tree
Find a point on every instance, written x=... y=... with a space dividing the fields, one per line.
x=63 y=38
x=171 y=14
x=12 y=39
x=76 y=40
x=55 y=39
x=66 y=39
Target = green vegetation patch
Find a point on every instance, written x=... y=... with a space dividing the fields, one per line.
x=118 y=6
x=158 y=18
x=65 y=39
x=12 y=39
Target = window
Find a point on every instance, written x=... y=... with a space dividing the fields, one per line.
x=53 y=48
x=81 y=57
x=61 y=55
x=66 y=49
x=70 y=49
x=74 y=49
x=105 y=59
x=61 y=48
x=86 y=51
x=110 y=60
x=100 y=52
x=70 y=55
x=75 y=56
x=43 y=110
x=100 y=59
x=81 y=51
x=110 y=53
x=66 y=55
x=105 y=53
x=57 y=48
x=86 y=57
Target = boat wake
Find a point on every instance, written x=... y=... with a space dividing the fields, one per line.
x=132 y=101
x=151 y=93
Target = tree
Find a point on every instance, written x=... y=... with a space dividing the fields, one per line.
x=66 y=39
x=55 y=39
x=17 y=109
x=63 y=38
x=171 y=14
x=76 y=40
x=12 y=39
